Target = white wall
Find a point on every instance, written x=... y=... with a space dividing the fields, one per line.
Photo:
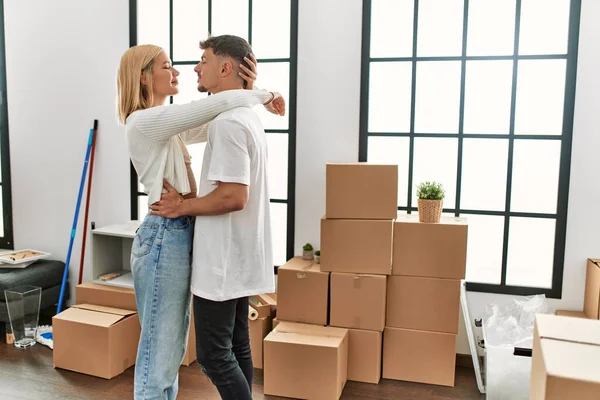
x=329 y=54
x=61 y=62
x=61 y=59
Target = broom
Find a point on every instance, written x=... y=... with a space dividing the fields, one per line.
x=44 y=333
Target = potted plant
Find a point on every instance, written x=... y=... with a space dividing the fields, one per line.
x=431 y=199
x=308 y=252
x=318 y=256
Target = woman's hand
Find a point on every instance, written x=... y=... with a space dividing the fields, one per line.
x=277 y=105
x=249 y=74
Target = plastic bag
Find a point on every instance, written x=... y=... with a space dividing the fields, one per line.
x=512 y=324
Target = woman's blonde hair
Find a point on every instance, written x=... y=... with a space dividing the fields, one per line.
x=131 y=94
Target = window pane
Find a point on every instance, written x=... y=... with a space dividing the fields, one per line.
x=190 y=25
x=484 y=174
x=230 y=17
x=440 y=28
x=153 y=23
x=488 y=90
x=188 y=85
x=279 y=232
x=484 y=250
x=142 y=207
x=392 y=28
x=271 y=28
x=536 y=165
x=392 y=150
x=435 y=160
x=540 y=97
x=389 y=96
x=274 y=77
x=437 y=97
x=278 y=165
x=530 y=252
x=544 y=27
x=197 y=154
x=491 y=29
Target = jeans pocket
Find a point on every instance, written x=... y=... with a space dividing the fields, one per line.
x=144 y=238
x=178 y=223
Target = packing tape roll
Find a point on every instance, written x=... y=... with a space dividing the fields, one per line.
x=252 y=313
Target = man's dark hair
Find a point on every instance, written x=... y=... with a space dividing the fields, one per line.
x=228 y=45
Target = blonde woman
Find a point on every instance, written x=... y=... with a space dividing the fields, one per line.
x=161 y=253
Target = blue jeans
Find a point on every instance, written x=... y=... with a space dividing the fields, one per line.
x=223 y=345
x=161 y=267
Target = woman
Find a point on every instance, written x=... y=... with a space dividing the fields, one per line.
x=161 y=252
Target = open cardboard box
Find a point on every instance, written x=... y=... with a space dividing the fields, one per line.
x=95 y=340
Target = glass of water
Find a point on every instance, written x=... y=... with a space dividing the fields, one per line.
x=23 y=305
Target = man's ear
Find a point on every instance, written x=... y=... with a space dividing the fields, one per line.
x=226 y=68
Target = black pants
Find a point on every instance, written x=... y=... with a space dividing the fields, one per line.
x=223 y=346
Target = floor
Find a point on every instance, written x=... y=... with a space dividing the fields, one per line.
x=29 y=374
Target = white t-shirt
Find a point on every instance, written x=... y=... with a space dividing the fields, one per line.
x=233 y=254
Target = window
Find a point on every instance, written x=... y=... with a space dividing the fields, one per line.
x=271 y=28
x=479 y=95
x=6 y=229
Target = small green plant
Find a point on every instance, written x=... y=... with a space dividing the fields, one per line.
x=317 y=252
x=307 y=247
x=430 y=191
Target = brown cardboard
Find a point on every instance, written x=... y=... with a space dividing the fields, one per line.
x=572 y=314
x=258 y=329
x=95 y=340
x=302 y=292
x=361 y=191
x=275 y=323
x=105 y=295
x=357 y=301
x=364 y=356
x=124 y=298
x=305 y=361
x=263 y=308
x=565 y=358
x=435 y=250
x=419 y=356
x=591 y=306
x=427 y=304
x=356 y=246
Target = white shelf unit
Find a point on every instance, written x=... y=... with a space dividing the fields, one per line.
x=111 y=252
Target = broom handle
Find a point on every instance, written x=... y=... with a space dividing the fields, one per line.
x=74 y=228
x=87 y=202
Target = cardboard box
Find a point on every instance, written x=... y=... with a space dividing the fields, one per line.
x=591 y=305
x=565 y=358
x=427 y=304
x=361 y=191
x=302 y=292
x=358 y=301
x=95 y=340
x=258 y=329
x=364 y=356
x=419 y=356
x=356 y=246
x=275 y=323
x=124 y=298
x=430 y=250
x=105 y=295
x=572 y=314
x=305 y=361
x=263 y=308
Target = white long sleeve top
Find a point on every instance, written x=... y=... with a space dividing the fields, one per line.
x=151 y=136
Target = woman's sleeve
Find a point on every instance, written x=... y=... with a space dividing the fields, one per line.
x=161 y=123
x=196 y=135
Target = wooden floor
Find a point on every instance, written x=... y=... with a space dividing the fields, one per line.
x=29 y=374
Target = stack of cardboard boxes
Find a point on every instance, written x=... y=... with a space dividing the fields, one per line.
x=387 y=292
x=423 y=300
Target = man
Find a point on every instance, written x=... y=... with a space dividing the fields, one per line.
x=232 y=256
